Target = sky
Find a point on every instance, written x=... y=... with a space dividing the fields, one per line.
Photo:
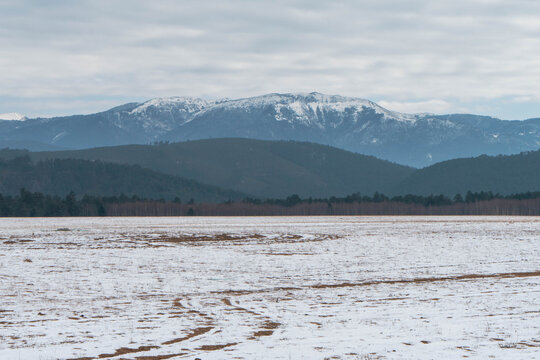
x=62 y=57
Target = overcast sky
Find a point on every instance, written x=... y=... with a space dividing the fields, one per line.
x=61 y=57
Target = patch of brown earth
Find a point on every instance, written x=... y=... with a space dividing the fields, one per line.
x=432 y=279
x=178 y=304
x=195 y=239
x=125 y=350
x=393 y=299
x=279 y=254
x=383 y=282
x=159 y=357
x=215 y=347
x=226 y=302
x=18 y=241
x=196 y=332
x=528 y=344
x=238 y=308
x=256 y=291
x=291 y=239
x=118 y=352
x=186 y=238
x=263 y=333
x=270 y=325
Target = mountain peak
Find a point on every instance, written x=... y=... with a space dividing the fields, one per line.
x=308 y=97
x=306 y=107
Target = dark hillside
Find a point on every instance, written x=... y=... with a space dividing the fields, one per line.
x=61 y=176
x=503 y=174
x=257 y=167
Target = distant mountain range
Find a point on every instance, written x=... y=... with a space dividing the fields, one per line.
x=261 y=169
x=352 y=124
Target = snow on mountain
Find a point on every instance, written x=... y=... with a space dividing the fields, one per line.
x=12 y=116
x=159 y=115
x=304 y=108
x=185 y=103
x=310 y=108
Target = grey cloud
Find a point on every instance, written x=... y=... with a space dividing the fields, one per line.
x=417 y=52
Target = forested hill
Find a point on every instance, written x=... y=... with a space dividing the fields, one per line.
x=61 y=176
x=505 y=175
x=266 y=169
x=260 y=168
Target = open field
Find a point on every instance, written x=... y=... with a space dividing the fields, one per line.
x=270 y=288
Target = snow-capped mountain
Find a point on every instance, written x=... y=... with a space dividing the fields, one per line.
x=12 y=117
x=166 y=113
x=132 y=123
x=353 y=124
x=362 y=126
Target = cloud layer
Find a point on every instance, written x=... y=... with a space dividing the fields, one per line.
x=62 y=56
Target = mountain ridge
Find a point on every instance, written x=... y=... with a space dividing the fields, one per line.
x=260 y=168
x=277 y=169
x=349 y=123
x=502 y=174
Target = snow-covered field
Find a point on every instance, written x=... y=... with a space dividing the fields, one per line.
x=270 y=288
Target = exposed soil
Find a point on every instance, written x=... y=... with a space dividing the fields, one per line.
x=432 y=279
x=159 y=357
x=215 y=347
x=263 y=333
x=196 y=332
x=270 y=325
x=125 y=350
x=186 y=238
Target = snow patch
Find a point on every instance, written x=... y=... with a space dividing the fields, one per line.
x=12 y=117
x=309 y=108
x=190 y=104
x=59 y=136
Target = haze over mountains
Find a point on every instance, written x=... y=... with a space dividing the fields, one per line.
x=352 y=124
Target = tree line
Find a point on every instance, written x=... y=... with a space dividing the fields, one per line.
x=28 y=204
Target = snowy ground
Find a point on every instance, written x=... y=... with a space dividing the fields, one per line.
x=270 y=288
